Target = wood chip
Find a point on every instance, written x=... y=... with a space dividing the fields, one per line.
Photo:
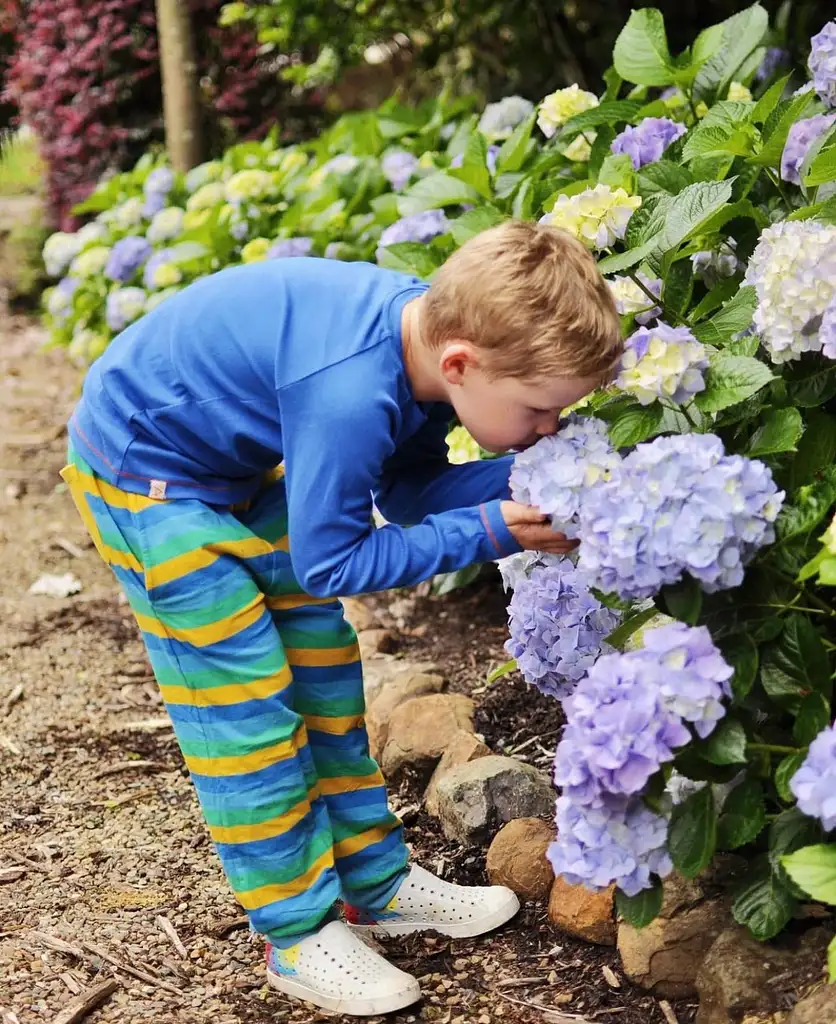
x=538 y=979
x=68 y=546
x=667 y=1010
x=71 y=983
x=126 y=766
x=168 y=928
x=11 y=875
x=78 y=1008
x=18 y=858
x=229 y=924
x=13 y=698
x=152 y=979
x=145 y=725
x=127 y=798
x=610 y=977
x=10 y=745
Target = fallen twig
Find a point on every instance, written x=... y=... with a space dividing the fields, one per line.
x=550 y=1014
x=125 y=766
x=13 y=698
x=539 y=979
x=10 y=745
x=610 y=977
x=229 y=924
x=68 y=546
x=11 y=875
x=70 y=982
x=85 y=1001
x=26 y=862
x=170 y=931
x=126 y=798
x=145 y=725
x=667 y=1010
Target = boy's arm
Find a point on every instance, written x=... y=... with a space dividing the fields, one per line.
x=418 y=480
x=333 y=461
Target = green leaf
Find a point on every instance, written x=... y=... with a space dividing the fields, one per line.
x=663 y=176
x=435 y=191
x=823 y=169
x=813 y=716
x=743 y=817
x=787 y=767
x=731 y=379
x=831 y=961
x=621 y=634
x=690 y=209
x=824 y=211
x=764 y=904
x=610 y=112
x=513 y=152
x=797 y=664
x=641 y=909
x=706 y=140
x=641 y=52
x=811 y=381
x=777 y=128
x=727 y=744
x=635 y=425
x=678 y=287
x=683 y=600
x=742 y=33
x=741 y=652
x=474 y=222
x=815 y=450
x=810 y=504
x=505 y=669
x=720 y=293
x=779 y=432
x=617 y=172
x=692 y=837
x=769 y=101
x=735 y=316
x=474 y=169
x=624 y=260
x=813 y=869
x=447 y=582
x=410 y=257
x=789 y=832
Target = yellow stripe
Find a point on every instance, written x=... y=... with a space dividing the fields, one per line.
x=264 y=829
x=339 y=726
x=241 y=764
x=229 y=693
x=212 y=632
x=350 y=783
x=111 y=555
x=190 y=561
x=252 y=899
x=317 y=657
x=112 y=495
x=282 y=601
x=346 y=847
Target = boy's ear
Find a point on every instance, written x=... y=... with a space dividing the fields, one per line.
x=456 y=359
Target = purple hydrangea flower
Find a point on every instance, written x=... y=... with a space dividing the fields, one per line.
x=801 y=137
x=498 y=120
x=645 y=142
x=160 y=180
x=151 y=267
x=557 y=627
x=398 y=166
x=675 y=505
x=154 y=202
x=827 y=331
x=663 y=362
x=553 y=474
x=772 y=60
x=814 y=784
x=60 y=300
x=124 y=305
x=714 y=265
x=126 y=257
x=620 y=841
x=822 y=63
x=417 y=227
x=630 y=298
x=285 y=247
x=490 y=160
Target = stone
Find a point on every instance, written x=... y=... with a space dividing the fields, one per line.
x=401 y=688
x=665 y=956
x=475 y=798
x=421 y=728
x=380 y=672
x=817 y=1008
x=583 y=914
x=375 y=642
x=463 y=747
x=735 y=978
x=517 y=858
x=358 y=614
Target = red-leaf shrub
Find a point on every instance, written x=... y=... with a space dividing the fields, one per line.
x=86 y=77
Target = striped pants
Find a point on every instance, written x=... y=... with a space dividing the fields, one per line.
x=264 y=687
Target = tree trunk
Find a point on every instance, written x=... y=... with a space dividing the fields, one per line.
x=181 y=104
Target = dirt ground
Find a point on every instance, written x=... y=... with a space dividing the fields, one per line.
x=105 y=864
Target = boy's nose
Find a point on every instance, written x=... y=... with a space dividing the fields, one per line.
x=548 y=425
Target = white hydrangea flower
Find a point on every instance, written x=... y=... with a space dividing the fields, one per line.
x=738 y=91
x=630 y=298
x=580 y=148
x=91 y=262
x=167 y=224
x=597 y=216
x=793 y=269
x=558 y=107
x=59 y=251
x=95 y=231
x=129 y=213
x=498 y=120
x=662 y=362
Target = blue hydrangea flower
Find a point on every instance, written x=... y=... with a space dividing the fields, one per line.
x=814 y=784
x=557 y=627
x=630 y=298
x=60 y=299
x=801 y=137
x=160 y=181
x=398 y=166
x=772 y=60
x=155 y=263
x=490 y=158
x=676 y=505
x=154 y=202
x=500 y=119
x=620 y=842
x=300 y=246
x=662 y=362
x=822 y=63
x=124 y=305
x=417 y=227
x=827 y=332
x=717 y=264
x=553 y=474
x=126 y=257
x=645 y=142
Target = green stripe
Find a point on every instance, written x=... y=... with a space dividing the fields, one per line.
x=254 y=815
x=209 y=678
x=207 y=747
x=347 y=830
x=335 y=768
x=272 y=530
x=328 y=639
x=272 y=873
x=194 y=540
x=203 y=615
x=335 y=708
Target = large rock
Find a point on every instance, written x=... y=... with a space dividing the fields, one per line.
x=379 y=673
x=403 y=687
x=421 y=728
x=818 y=1008
x=735 y=978
x=665 y=956
x=586 y=915
x=475 y=798
x=358 y=614
x=376 y=643
x=517 y=858
x=463 y=747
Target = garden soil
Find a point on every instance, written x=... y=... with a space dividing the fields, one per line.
x=105 y=865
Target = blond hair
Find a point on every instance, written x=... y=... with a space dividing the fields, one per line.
x=531 y=297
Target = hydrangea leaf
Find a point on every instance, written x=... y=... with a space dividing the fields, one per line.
x=726 y=745
x=692 y=838
x=822 y=169
x=410 y=257
x=813 y=716
x=764 y=904
x=515 y=148
x=610 y=112
x=474 y=169
x=619 y=636
x=617 y=172
x=790 y=831
x=743 y=817
x=813 y=869
x=769 y=101
x=683 y=600
x=779 y=432
x=810 y=381
x=741 y=653
x=777 y=128
x=787 y=767
x=797 y=664
x=641 y=909
x=635 y=425
x=663 y=176
x=691 y=208
x=641 y=52
x=436 y=191
x=474 y=222
x=742 y=33
x=731 y=379
x=831 y=961
x=624 y=260
x=809 y=505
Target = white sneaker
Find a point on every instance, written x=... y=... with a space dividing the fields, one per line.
x=336 y=970
x=427 y=903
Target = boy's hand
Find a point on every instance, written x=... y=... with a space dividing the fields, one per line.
x=533 y=531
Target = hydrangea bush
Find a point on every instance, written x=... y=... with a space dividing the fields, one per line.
x=690 y=640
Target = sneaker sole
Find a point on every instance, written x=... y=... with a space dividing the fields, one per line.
x=464 y=930
x=371 y=1007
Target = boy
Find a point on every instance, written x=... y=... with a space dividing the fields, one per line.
x=346 y=377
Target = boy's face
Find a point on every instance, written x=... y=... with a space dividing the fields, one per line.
x=505 y=412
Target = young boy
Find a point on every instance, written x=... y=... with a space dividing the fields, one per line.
x=345 y=376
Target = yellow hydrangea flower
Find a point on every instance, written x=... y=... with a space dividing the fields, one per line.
x=580 y=148
x=738 y=91
x=461 y=447
x=558 y=107
x=256 y=250
x=207 y=197
x=597 y=216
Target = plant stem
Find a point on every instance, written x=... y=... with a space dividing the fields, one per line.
x=772 y=748
x=669 y=313
x=777 y=183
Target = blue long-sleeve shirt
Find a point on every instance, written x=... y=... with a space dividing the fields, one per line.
x=297 y=361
